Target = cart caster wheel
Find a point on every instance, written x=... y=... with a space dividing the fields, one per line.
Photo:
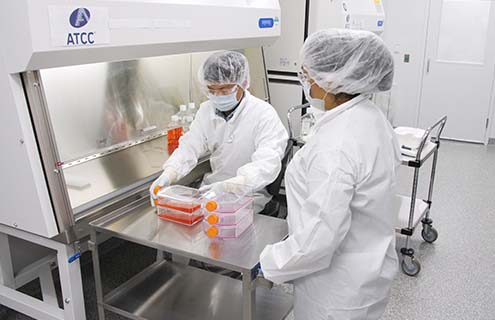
x=411 y=268
x=429 y=234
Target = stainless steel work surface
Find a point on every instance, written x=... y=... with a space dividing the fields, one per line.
x=167 y=291
x=142 y=225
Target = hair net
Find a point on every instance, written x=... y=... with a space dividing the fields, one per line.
x=348 y=61
x=226 y=67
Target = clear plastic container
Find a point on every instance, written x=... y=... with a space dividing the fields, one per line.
x=180 y=204
x=229 y=219
x=181 y=217
x=228 y=232
x=307 y=123
x=226 y=202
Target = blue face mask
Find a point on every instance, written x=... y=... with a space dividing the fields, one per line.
x=224 y=103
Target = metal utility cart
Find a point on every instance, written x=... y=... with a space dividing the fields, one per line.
x=298 y=142
x=175 y=290
x=414 y=210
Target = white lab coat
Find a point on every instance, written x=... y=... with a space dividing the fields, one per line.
x=340 y=252
x=251 y=145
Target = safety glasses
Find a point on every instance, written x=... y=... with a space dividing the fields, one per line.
x=223 y=91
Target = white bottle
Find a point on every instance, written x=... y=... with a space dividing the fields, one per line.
x=191 y=109
x=174 y=122
x=187 y=123
x=182 y=111
x=307 y=123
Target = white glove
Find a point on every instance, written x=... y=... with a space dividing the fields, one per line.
x=217 y=188
x=161 y=181
x=164 y=180
x=234 y=185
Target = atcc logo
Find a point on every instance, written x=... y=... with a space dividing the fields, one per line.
x=80 y=17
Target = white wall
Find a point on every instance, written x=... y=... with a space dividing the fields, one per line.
x=405 y=33
x=492 y=118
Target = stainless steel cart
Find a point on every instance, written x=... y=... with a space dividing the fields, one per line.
x=413 y=210
x=176 y=291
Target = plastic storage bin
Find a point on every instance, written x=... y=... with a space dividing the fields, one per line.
x=180 y=204
x=228 y=232
x=230 y=218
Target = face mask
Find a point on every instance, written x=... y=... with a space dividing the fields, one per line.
x=315 y=103
x=224 y=103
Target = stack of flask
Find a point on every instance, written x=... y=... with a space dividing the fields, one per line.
x=179 y=204
x=227 y=215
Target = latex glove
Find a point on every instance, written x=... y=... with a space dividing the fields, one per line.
x=160 y=182
x=235 y=185
x=260 y=278
x=260 y=271
x=217 y=188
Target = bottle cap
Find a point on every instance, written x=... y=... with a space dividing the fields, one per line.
x=213 y=219
x=212 y=232
x=156 y=189
x=183 y=107
x=191 y=105
x=211 y=206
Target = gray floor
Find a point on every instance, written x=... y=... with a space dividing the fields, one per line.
x=458 y=271
x=457 y=280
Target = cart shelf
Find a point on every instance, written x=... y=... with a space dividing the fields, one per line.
x=420 y=210
x=428 y=151
x=169 y=291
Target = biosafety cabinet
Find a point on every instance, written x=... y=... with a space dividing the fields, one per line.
x=300 y=19
x=86 y=91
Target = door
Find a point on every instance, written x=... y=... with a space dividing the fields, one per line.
x=459 y=69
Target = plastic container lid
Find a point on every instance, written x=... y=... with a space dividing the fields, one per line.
x=227 y=203
x=180 y=198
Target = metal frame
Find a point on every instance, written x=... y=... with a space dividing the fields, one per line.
x=417 y=163
x=297 y=142
x=249 y=276
x=248 y=285
x=70 y=280
x=48 y=148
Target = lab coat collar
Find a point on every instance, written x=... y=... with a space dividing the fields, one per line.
x=335 y=112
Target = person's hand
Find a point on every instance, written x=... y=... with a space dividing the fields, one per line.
x=260 y=278
x=236 y=185
x=217 y=188
x=160 y=182
x=260 y=271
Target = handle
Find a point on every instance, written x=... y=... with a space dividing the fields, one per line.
x=440 y=124
x=428 y=65
x=289 y=113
